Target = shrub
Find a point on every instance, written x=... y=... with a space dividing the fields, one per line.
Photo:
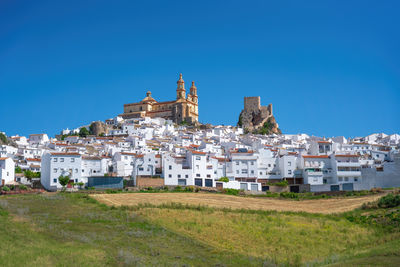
x=289 y=195
x=111 y=191
x=389 y=201
x=230 y=191
x=12 y=187
x=178 y=188
x=224 y=179
x=5 y=188
x=23 y=187
x=18 y=169
x=281 y=183
x=189 y=188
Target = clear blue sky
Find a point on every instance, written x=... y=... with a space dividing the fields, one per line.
x=329 y=67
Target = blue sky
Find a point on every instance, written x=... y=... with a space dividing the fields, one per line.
x=329 y=67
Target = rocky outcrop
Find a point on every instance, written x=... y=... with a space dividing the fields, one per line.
x=98 y=128
x=256 y=118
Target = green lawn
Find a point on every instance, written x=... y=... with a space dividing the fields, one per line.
x=75 y=230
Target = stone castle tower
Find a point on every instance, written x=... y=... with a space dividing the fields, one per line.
x=254 y=116
x=179 y=110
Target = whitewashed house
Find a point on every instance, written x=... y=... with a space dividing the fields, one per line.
x=7 y=170
x=55 y=164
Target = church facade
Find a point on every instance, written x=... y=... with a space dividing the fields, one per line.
x=179 y=110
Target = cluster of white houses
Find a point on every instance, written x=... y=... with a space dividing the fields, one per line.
x=180 y=155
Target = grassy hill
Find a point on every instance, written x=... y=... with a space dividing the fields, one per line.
x=75 y=230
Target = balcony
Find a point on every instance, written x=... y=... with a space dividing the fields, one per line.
x=313 y=172
x=349 y=164
x=349 y=173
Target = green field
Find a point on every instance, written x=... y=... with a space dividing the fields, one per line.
x=75 y=230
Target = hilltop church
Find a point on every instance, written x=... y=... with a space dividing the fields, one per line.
x=179 y=110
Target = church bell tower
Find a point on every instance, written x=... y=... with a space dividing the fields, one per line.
x=180 y=90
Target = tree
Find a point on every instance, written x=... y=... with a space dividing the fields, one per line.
x=224 y=179
x=80 y=184
x=63 y=180
x=3 y=139
x=18 y=169
x=83 y=132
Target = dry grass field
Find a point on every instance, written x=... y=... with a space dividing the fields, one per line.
x=325 y=206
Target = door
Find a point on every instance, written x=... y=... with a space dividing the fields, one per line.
x=295 y=189
x=254 y=187
x=219 y=186
x=182 y=182
x=208 y=182
x=198 y=181
x=243 y=186
x=265 y=188
x=347 y=187
x=335 y=187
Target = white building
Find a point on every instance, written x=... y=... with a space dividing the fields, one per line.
x=55 y=164
x=7 y=170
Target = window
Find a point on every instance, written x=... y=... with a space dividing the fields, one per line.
x=169 y=176
x=76 y=170
x=252 y=172
x=243 y=162
x=149 y=159
x=269 y=165
x=355 y=180
x=237 y=171
x=76 y=180
x=260 y=173
x=141 y=169
x=55 y=170
x=315 y=180
x=237 y=162
x=156 y=161
x=61 y=159
x=208 y=176
x=170 y=167
x=289 y=172
x=244 y=171
x=346 y=179
x=126 y=157
x=72 y=160
x=54 y=180
x=186 y=176
x=252 y=163
x=55 y=160
x=340 y=179
x=197 y=175
x=197 y=157
x=179 y=176
x=289 y=163
x=197 y=167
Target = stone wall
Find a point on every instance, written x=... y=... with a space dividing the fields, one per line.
x=252 y=104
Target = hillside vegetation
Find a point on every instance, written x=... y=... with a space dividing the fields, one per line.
x=64 y=229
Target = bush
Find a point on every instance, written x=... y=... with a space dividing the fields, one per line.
x=12 y=187
x=23 y=187
x=224 y=179
x=178 y=188
x=5 y=188
x=389 y=201
x=189 y=188
x=230 y=191
x=288 y=195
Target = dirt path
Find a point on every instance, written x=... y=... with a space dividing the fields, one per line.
x=326 y=206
